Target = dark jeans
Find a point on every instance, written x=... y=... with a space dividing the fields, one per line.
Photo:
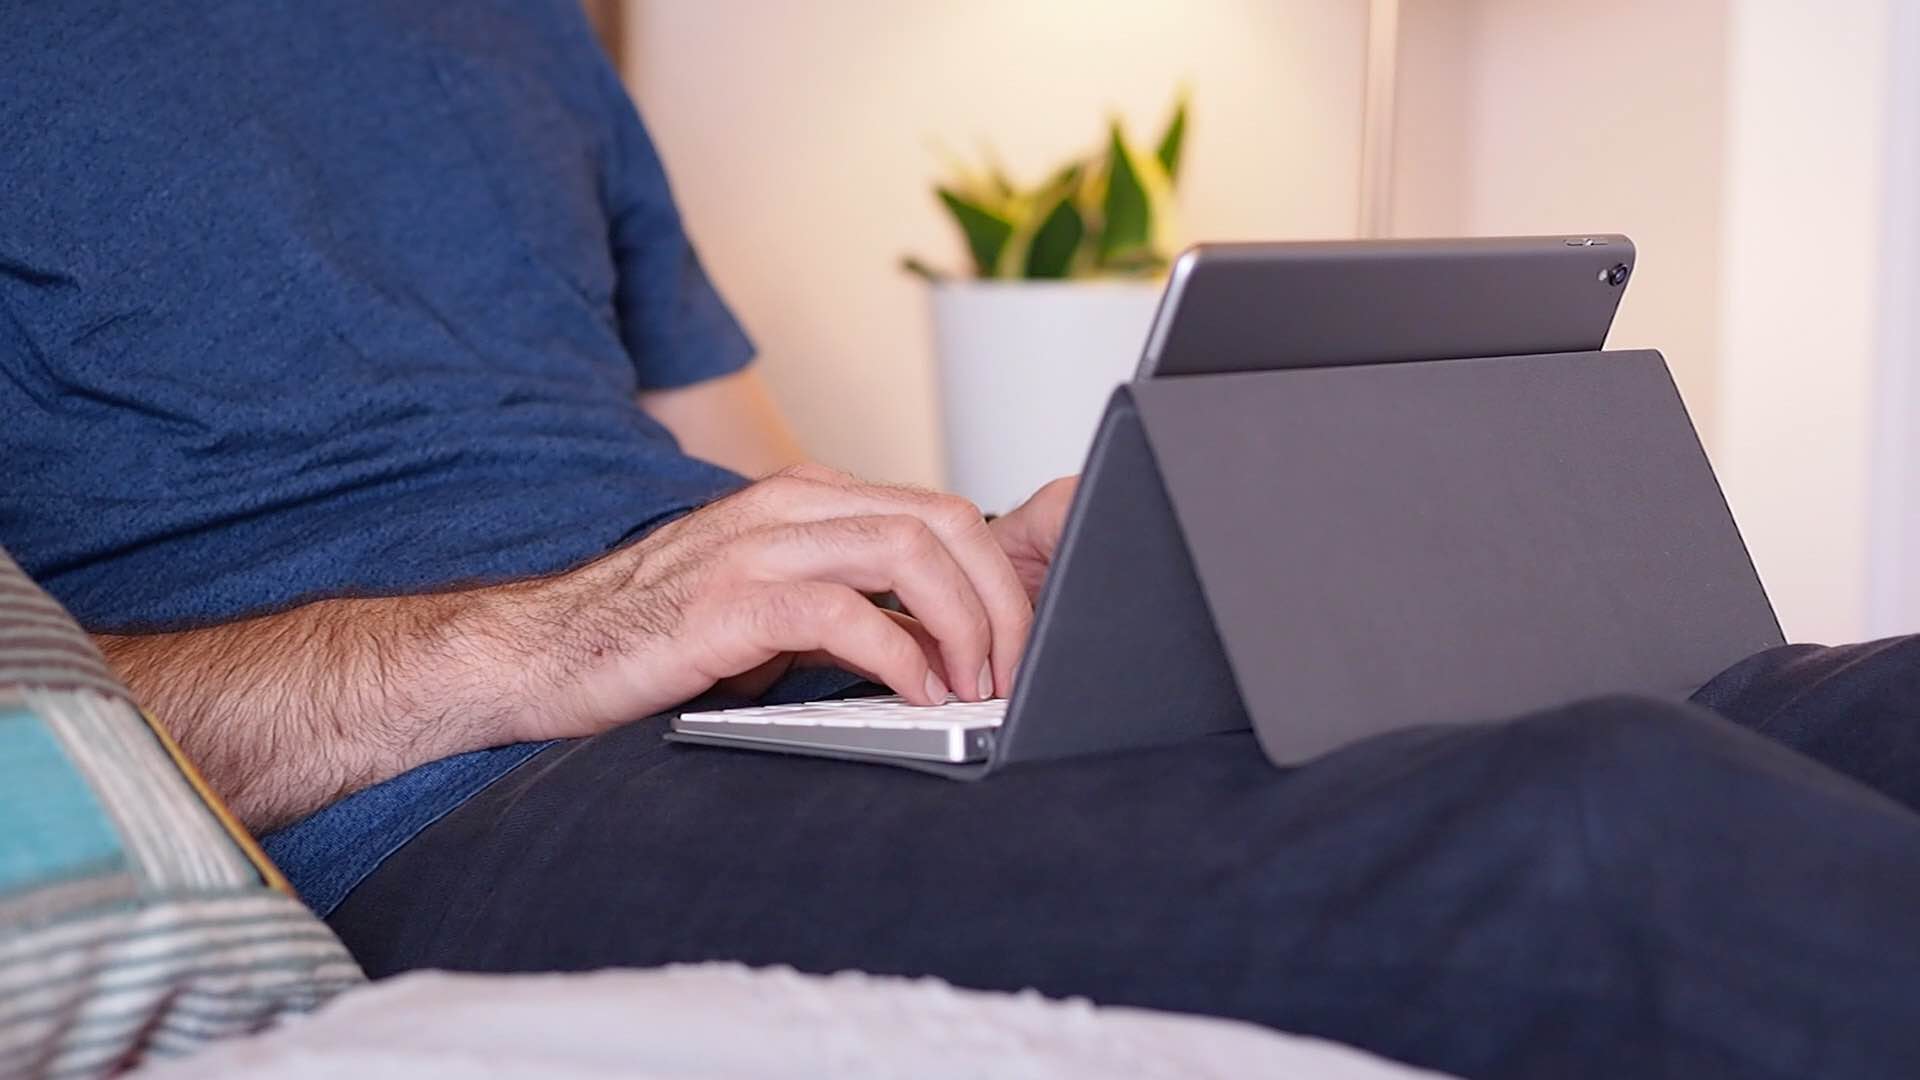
x=1620 y=888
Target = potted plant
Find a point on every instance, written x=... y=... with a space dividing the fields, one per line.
x=1063 y=284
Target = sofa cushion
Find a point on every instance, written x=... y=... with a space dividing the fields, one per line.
x=137 y=918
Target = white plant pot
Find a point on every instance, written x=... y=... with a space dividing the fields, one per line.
x=1025 y=370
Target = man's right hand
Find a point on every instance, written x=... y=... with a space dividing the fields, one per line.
x=289 y=711
x=774 y=576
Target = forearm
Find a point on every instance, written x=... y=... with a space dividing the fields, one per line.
x=730 y=421
x=285 y=713
x=288 y=712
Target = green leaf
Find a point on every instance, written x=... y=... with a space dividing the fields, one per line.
x=1066 y=178
x=1173 y=139
x=1050 y=254
x=1128 y=223
x=986 y=232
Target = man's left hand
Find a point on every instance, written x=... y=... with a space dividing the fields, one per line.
x=1030 y=533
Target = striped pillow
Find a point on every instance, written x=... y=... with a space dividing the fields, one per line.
x=136 y=917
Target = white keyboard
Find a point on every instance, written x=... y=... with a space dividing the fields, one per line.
x=888 y=726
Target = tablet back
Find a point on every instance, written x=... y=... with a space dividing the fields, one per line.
x=1453 y=540
x=1260 y=307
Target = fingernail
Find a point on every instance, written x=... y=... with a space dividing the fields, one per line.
x=986 y=682
x=936 y=689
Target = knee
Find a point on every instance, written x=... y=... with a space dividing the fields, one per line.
x=1621 y=748
x=1876 y=677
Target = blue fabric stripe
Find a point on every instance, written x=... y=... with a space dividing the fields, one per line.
x=52 y=828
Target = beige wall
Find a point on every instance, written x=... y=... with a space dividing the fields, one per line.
x=797 y=138
x=1553 y=116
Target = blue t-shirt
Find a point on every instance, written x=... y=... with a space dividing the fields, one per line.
x=301 y=300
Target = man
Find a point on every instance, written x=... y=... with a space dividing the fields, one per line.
x=345 y=346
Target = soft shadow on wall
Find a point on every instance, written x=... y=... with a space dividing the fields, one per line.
x=798 y=138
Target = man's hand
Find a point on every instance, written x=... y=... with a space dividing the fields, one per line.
x=777 y=575
x=287 y=712
x=1030 y=534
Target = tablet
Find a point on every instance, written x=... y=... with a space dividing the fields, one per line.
x=1259 y=307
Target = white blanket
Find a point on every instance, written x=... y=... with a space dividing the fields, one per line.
x=725 y=1022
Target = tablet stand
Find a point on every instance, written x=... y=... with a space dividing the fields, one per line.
x=1331 y=553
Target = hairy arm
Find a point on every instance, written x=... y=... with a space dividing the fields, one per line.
x=731 y=421
x=285 y=713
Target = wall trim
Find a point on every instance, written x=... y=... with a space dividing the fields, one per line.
x=1893 y=536
x=1376 y=119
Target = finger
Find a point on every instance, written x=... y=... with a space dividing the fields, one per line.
x=928 y=643
x=929 y=646
x=817 y=617
x=793 y=497
x=1031 y=533
x=898 y=553
x=1045 y=515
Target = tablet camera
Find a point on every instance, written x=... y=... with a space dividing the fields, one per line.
x=1617 y=276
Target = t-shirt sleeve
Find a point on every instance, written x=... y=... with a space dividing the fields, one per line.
x=674 y=323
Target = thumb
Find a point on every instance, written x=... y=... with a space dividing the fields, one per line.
x=1043 y=517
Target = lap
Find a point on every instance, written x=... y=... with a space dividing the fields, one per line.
x=1853 y=708
x=1475 y=886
